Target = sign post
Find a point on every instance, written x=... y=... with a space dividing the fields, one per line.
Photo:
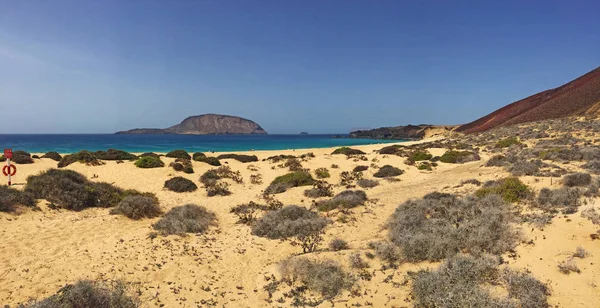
x=9 y=170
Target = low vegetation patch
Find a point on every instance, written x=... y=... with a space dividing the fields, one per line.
x=213 y=161
x=53 y=155
x=239 y=157
x=577 y=179
x=149 y=162
x=289 y=221
x=247 y=213
x=347 y=151
x=391 y=150
x=322 y=173
x=345 y=200
x=442 y=225
x=388 y=171
x=510 y=189
x=360 y=168
x=338 y=244
x=71 y=190
x=293 y=164
x=218 y=189
x=287 y=181
x=189 y=218
x=138 y=207
x=179 y=154
x=89 y=293
x=324 y=277
x=112 y=154
x=198 y=155
x=21 y=157
x=320 y=189
x=565 y=199
x=459 y=157
x=419 y=156
x=11 y=198
x=184 y=165
x=507 y=142
x=84 y=157
x=180 y=184
x=465 y=281
x=366 y=183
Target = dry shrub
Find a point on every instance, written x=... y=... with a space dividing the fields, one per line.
x=10 y=198
x=256 y=179
x=464 y=281
x=360 y=168
x=182 y=164
x=523 y=167
x=21 y=157
x=345 y=200
x=566 y=199
x=388 y=171
x=592 y=214
x=497 y=161
x=218 y=189
x=338 y=244
x=440 y=226
x=289 y=221
x=71 y=190
x=366 y=183
x=568 y=266
x=475 y=182
x=180 y=184
x=581 y=253
x=247 y=213
x=577 y=179
x=293 y=164
x=325 y=277
x=112 y=154
x=386 y=251
x=189 y=218
x=347 y=178
x=320 y=189
x=592 y=166
x=356 y=261
x=84 y=157
x=92 y=294
x=138 y=207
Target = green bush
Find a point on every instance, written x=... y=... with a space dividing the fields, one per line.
x=239 y=157
x=198 y=155
x=464 y=281
x=425 y=166
x=213 y=161
x=150 y=154
x=322 y=173
x=459 y=157
x=510 y=189
x=388 y=171
x=92 y=294
x=179 y=154
x=149 y=162
x=113 y=154
x=360 y=168
x=507 y=142
x=138 y=207
x=347 y=151
x=391 y=150
x=189 y=218
x=10 y=198
x=180 y=184
x=420 y=155
x=84 y=157
x=21 y=157
x=292 y=179
x=52 y=155
x=346 y=200
x=442 y=225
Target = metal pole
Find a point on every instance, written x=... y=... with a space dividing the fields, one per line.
x=8 y=164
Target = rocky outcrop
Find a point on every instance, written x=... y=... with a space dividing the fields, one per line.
x=576 y=98
x=206 y=124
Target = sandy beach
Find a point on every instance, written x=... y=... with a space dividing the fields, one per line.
x=41 y=251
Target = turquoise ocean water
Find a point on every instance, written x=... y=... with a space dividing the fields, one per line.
x=165 y=143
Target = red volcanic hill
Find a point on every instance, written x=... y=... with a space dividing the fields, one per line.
x=578 y=97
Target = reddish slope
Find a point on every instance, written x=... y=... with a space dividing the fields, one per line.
x=577 y=97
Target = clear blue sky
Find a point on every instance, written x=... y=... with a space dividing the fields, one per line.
x=317 y=66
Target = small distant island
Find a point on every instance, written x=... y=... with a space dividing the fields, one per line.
x=303 y=133
x=206 y=124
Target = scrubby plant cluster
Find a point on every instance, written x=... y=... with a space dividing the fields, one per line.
x=52 y=155
x=293 y=179
x=112 y=154
x=348 y=178
x=138 y=207
x=347 y=151
x=345 y=200
x=149 y=161
x=180 y=184
x=442 y=225
x=511 y=189
x=179 y=154
x=84 y=157
x=388 y=171
x=322 y=173
x=11 y=198
x=325 y=277
x=320 y=189
x=182 y=164
x=239 y=157
x=465 y=281
x=189 y=218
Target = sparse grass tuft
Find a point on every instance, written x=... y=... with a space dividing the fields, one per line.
x=568 y=266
